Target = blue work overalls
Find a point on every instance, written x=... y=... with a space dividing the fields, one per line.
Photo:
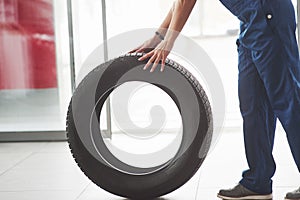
x=269 y=84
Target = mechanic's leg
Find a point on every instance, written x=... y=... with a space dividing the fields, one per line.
x=279 y=69
x=259 y=126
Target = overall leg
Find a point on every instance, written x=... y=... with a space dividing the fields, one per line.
x=279 y=68
x=283 y=92
x=259 y=124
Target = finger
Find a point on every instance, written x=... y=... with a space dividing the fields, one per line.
x=140 y=50
x=150 y=61
x=155 y=63
x=134 y=50
x=163 y=62
x=147 y=55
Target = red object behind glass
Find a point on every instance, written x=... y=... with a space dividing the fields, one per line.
x=27 y=49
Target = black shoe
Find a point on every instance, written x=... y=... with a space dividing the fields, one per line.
x=295 y=195
x=239 y=192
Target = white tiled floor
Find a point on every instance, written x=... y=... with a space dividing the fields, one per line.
x=30 y=171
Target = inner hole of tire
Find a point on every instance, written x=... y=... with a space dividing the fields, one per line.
x=144 y=129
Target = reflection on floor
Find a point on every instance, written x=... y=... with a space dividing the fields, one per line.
x=30 y=171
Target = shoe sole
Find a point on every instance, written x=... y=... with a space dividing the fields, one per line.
x=254 y=197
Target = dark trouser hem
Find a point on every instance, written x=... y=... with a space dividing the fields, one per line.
x=262 y=190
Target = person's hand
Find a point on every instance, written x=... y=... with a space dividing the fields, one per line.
x=159 y=54
x=149 y=44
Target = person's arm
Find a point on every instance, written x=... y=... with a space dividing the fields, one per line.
x=166 y=23
x=155 y=40
x=180 y=14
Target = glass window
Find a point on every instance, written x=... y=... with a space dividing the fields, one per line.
x=31 y=77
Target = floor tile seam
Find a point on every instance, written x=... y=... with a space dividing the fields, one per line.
x=22 y=160
x=82 y=192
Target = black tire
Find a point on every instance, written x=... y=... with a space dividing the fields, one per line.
x=89 y=97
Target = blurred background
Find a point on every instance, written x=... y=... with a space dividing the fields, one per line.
x=35 y=68
x=35 y=71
